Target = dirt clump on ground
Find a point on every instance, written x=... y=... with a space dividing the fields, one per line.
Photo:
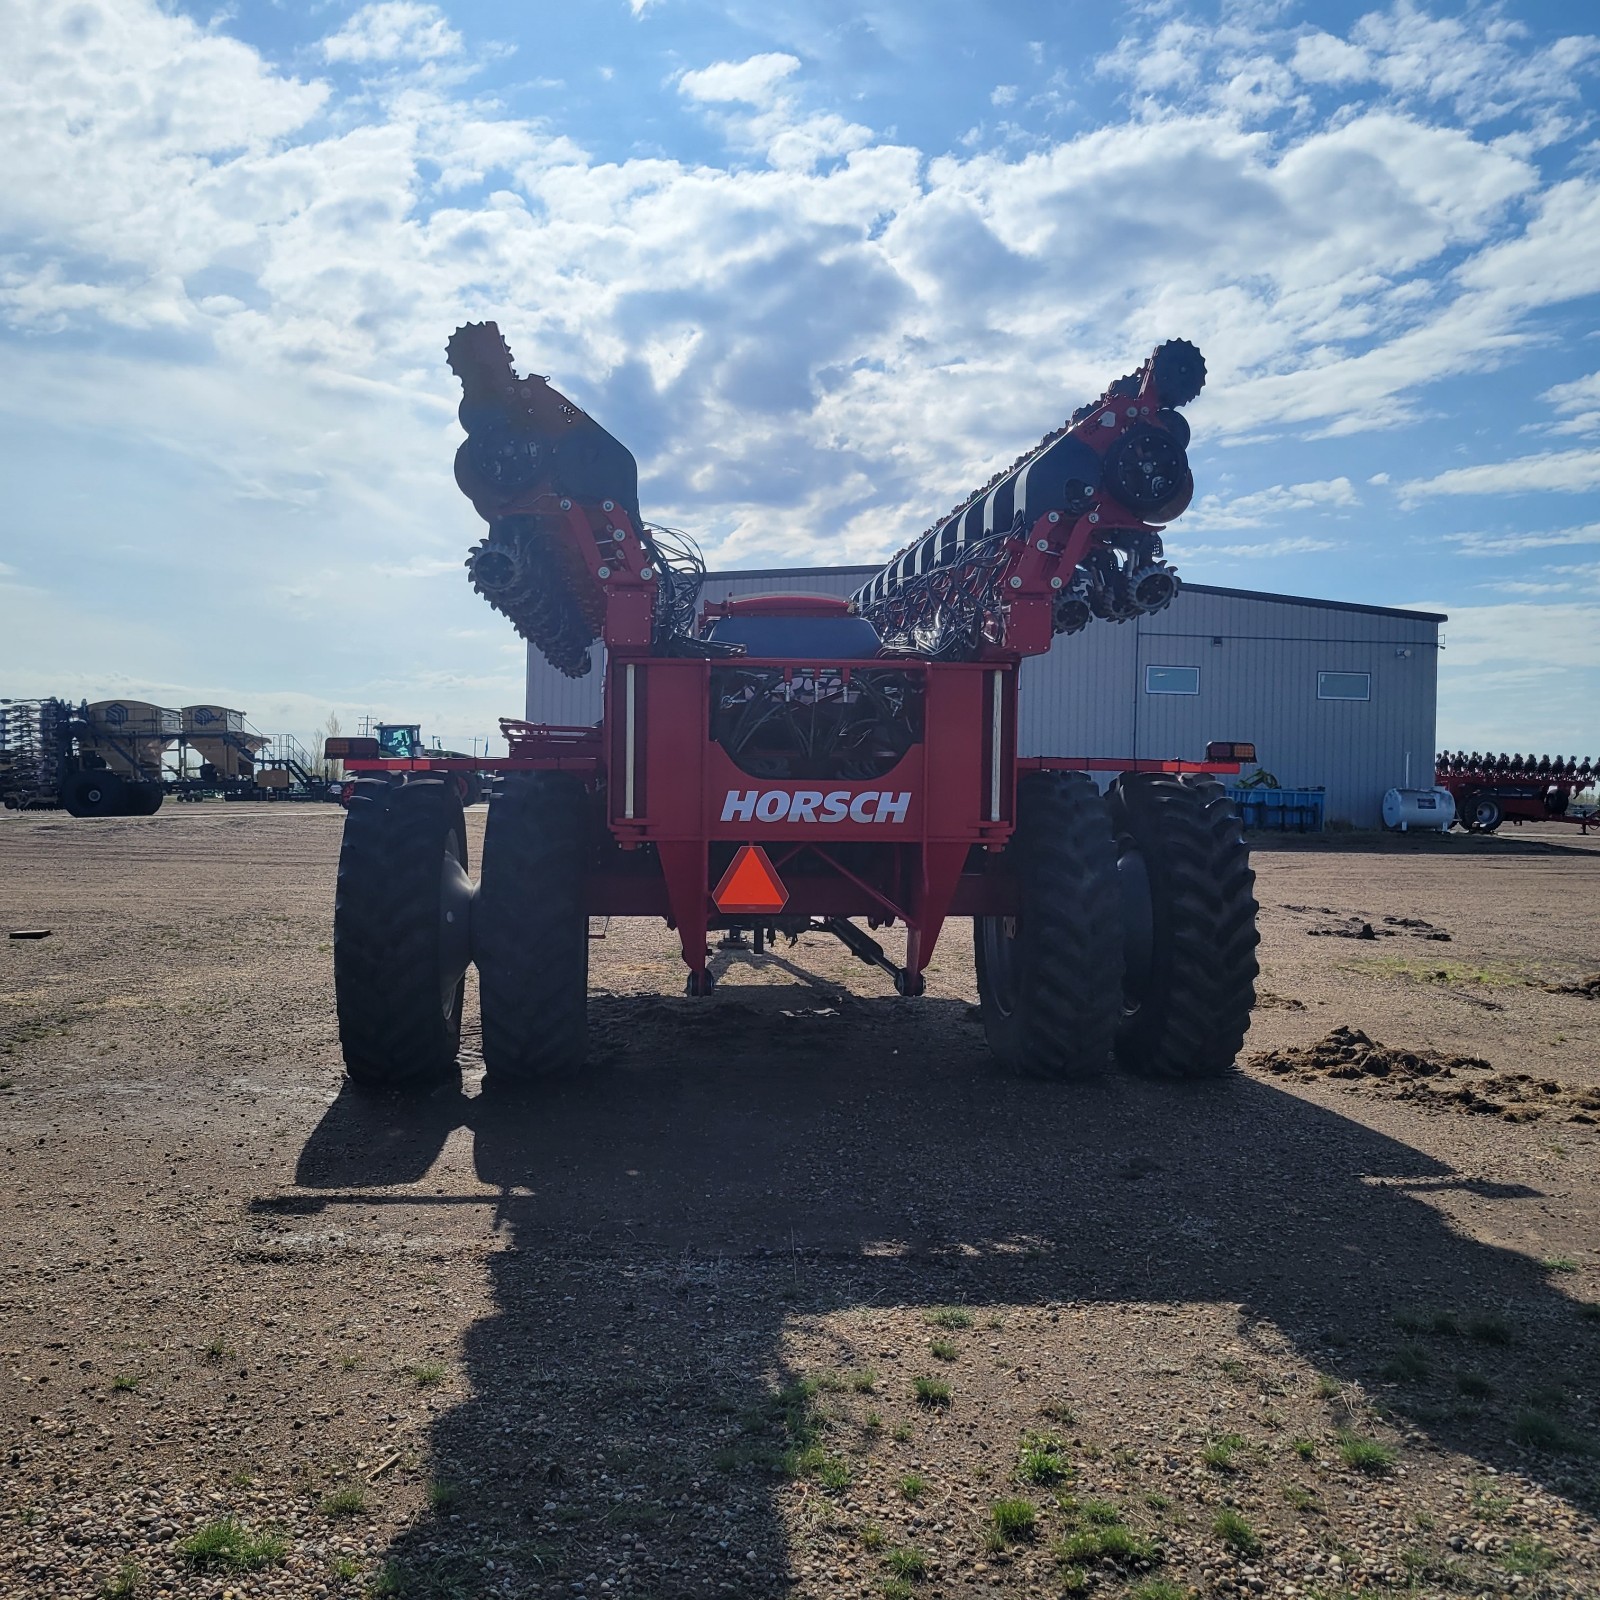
x=1588 y=987
x=1430 y=1078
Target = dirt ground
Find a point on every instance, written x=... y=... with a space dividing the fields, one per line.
x=793 y=1293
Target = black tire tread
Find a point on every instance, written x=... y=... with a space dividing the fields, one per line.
x=392 y=1027
x=1069 y=981
x=1193 y=1020
x=531 y=929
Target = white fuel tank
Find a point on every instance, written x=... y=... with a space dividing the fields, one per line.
x=1419 y=808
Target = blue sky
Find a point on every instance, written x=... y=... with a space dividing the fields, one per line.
x=822 y=266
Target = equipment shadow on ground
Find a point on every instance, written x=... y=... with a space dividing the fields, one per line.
x=731 y=1166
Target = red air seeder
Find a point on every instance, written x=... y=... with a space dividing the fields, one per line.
x=804 y=761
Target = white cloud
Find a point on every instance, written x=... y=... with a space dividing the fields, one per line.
x=1321 y=58
x=1553 y=471
x=1510 y=544
x=1265 y=550
x=1270 y=505
x=1172 y=59
x=393 y=30
x=754 y=81
x=1579 y=402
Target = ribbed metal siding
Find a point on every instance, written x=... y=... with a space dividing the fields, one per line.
x=1258 y=661
x=1086 y=697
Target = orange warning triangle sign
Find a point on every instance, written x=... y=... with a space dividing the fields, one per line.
x=751 y=883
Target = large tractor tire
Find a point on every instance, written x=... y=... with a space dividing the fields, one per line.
x=1189 y=919
x=95 y=792
x=531 y=929
x=1050 y=978
x=401 y=933
x=143 y=799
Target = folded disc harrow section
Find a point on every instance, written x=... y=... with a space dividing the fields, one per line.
x=1087 y=499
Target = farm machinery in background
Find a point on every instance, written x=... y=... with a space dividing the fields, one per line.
x=1491 y=789
x=121 y=758
x=804 y=762
x=397 y=748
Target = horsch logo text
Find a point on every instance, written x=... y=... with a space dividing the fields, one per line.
x=812 y=805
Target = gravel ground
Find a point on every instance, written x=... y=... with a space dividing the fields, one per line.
x=793 y=1291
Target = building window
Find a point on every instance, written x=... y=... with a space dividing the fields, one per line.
x=1172 y=680
x=1344 y=686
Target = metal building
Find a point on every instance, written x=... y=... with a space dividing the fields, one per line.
x=1334 y=695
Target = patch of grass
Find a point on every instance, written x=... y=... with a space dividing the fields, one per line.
x=1073 y=1580
x=227 y=1545
x=993 y=1540
x=427 y=1374
x=126 y=1383
x=1365 y=1455
x=1157 y=1501
x=349 y=1363
x=1100 y=1512
x=931 y=1391
x=346 y=1568
x=1559 y=1264
x=1409 y=1364
x=1489 y=1502
x=1306 y=1449
x=1058 y=1411
x=1114 y=1545
x=1489 y=1327
x=1014 y=1520
x=872 y=1423
x=1299 y=1497
x=1536 y=1430
x=871 y=1536
x=344 y=1503
x=902 y=1433
x=1235 y=1368
x=906 y=1561
x=1042 y=1460
x=1326 y=1388
x=862 y=1381
x=218 y=1350
x=896 y=1589
x=1236 y=1533
x=1221 y=1454
x=835 y=1475
x=1473 y=1385
x=941 y=1350
x=953 y=1317
x=1549 y=1397
x=1158 y=1589
x=1526 y=1557
x=442 y=1495
x=127 y=1584
x=913 y=1488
